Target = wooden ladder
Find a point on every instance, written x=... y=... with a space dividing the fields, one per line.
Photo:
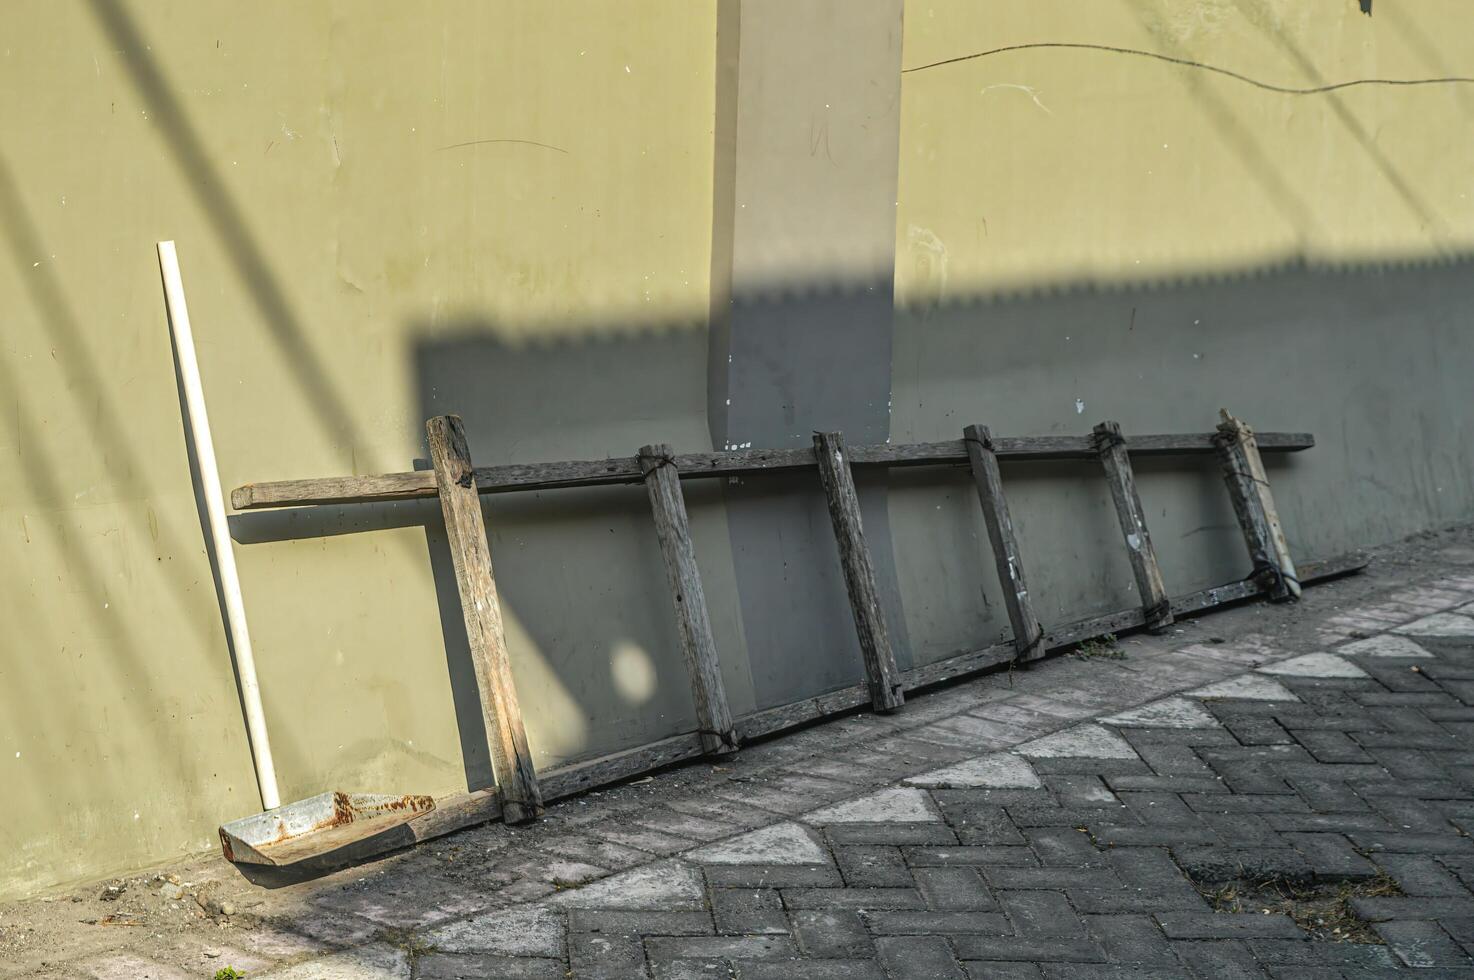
x=520 y=793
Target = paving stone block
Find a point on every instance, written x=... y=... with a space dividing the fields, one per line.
x=594 y=852
x=831 y=933
x=1216 y=864
x=461 y=966
x=1094 y=767
x=783 y=843
x=998 y=770
x=697 y=828
x=1404 y=842
x=978 y=823
x=1040 y=913
x=918 y=958
x=1390 y=909
x=1422 y=944
x=1421 y=876
x=1028 y=949
x=598 y=956
x=748 y=911
x=840 y=834
x=809 y=970
x=1063 y=847
x=853 y=898
x=666 y=948
x=1130 y=938
x=1082 y=790
x=1226 y=925
x=660 y=886
x=773 y=876
x=1051 y=878
x=943 y=857
x=1331 y=856
x=641 y=838
x=1166 y=784
x=997 y=970
x=1223 y=802
x=1118 y=835
x=937 y=923
x=1025 y=817
x=619 y=922
x=1157 y=810
x=953 y=889
x=898 y=804
x=528 y=930
x=1220 y=959
x=1134 y=901
x=873 y=866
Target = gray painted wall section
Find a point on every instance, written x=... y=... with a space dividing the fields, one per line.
x=801 y=340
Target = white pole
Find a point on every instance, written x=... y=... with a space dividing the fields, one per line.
x=230 y=583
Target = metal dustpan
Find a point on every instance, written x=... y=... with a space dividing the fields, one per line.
x=314 y=826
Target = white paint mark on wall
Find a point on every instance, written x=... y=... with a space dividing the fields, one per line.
x=1029 y=90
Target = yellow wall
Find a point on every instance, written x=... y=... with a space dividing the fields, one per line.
x=1047 y=166
x=349 y=186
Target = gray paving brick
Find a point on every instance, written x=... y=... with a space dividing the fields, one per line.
x=1028 y=949
x=1130 y=938
x=620 y=922
x=831 y=933
x=1041 y=913
x=996 y=970
x=853 y=898
x=1064 y=847
x=1052 y=878
x=809 y=970
x=666 y=948
x=1422 y=944
x=872 y=866
x=447 y=966
x=944 y=857
x=606 y=957
x=1223 y=925
x=1389 y=909
x=773 y=876
x=1421 y=876
x=1219 y=959
x=897 y=834
x=918 y=958
x=1253 y=864
x=953 y=889
x=937 y=923
x=1331 y=856
x=748 y=911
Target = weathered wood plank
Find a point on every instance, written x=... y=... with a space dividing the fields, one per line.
x=471 y=555
x=1027 y=633
x=859 y=571
x=1111 y=446
x=389 y=487
x=1248 y=488
x=668 y=505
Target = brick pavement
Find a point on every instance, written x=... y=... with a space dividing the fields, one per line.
x=1084 y=818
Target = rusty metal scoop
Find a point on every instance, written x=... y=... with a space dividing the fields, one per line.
x=314 y=826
